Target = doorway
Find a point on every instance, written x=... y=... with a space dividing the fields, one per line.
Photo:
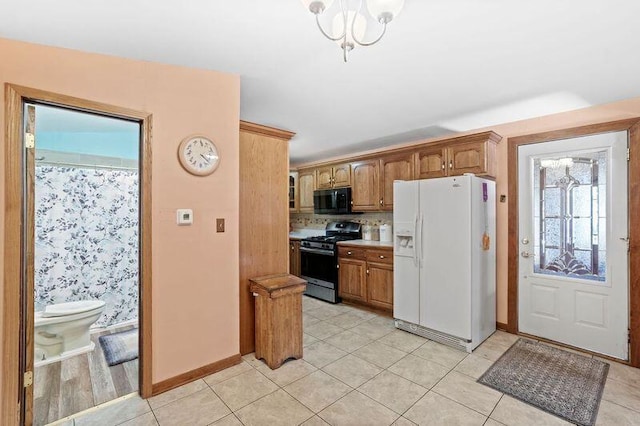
x=72 y=173
x=85 y=190
x=571 y=278
x=573 y=267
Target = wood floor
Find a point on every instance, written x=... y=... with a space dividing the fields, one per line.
x=84 y=381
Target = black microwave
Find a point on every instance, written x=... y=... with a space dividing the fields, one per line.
x=332 y=201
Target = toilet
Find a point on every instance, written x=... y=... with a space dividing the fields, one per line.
x=62 y=330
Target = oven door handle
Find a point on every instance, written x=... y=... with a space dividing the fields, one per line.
x=316 y=251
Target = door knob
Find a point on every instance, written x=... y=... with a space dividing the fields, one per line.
x=525 y=241
x=525 y=254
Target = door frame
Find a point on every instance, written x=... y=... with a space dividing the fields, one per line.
x=631 y=125
x=15 y=96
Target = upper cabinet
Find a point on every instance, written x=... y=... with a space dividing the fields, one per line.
x=431 y=162
x=371 y=176
x=293 y=192
x=365 y=192
x=333 y=176
x=306 y=186
x=394 y=167
x=466 y=154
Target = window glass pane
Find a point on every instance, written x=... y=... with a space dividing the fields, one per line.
x=570 y=220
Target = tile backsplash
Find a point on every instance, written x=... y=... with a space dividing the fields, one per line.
x=319 y=221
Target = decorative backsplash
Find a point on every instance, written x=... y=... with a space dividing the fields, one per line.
x=319 y=221
x=86 y=236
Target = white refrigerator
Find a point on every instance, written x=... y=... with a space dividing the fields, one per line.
x=444 y=260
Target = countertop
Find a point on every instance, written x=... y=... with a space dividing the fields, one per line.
x=366 y=243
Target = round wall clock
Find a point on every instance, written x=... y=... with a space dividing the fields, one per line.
x=198 y=155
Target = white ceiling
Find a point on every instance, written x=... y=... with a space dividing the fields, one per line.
x=443 y=66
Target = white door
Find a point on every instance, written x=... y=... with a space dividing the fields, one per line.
x=573 y=267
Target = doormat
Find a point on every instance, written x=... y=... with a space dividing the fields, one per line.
x=120 y=347
x=562 y=383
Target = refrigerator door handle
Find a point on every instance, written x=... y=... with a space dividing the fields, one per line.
x=415 y=241
x=421 y=242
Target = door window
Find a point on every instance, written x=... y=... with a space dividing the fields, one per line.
x=570 y=215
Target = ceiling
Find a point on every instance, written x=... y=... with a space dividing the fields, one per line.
x=444 y=65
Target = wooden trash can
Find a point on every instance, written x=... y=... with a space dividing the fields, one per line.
x=278 y=302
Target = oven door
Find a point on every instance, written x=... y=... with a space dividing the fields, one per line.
x=319 y=267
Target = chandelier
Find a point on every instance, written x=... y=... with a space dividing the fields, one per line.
x=349 y=24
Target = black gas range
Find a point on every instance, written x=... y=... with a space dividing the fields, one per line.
x=319 y=259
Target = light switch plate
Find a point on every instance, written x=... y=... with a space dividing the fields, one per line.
x=184 y=217
x=220 y=225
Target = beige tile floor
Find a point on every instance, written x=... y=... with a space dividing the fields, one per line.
x=359 y=370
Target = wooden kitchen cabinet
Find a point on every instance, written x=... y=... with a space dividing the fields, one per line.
x=294 y=258
x=469 y=158
x=431 y=162
x=352 y=279
x=394 y=167
x=333 y=176
x=365 y=276
x=306 y=186
x=365 y=192
x=380 y=285
x=293 y=192
x=466 y=154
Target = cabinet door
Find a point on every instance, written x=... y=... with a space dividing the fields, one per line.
x=430 y=163
x=380 y=285
x=342 y=175
x=467 y=158
x=352 y=279
x=324 y=178
x=365 y=192
x=306 y=186
x=397 y=167
x=293 y=192
x=294 y=257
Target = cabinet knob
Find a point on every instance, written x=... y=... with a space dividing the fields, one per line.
x=349 y=253
x=291 y=247
x=381 y=257
x=380 y=201
x=451 y=164
x=367 y=272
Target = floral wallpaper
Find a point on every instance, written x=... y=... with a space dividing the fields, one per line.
x=86 y=238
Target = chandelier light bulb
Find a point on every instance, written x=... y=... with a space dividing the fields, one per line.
x=384 y=11
x=317 y=6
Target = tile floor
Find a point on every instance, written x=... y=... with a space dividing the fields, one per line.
x=359 y=370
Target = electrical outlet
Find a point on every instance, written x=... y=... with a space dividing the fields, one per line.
x=219 y=225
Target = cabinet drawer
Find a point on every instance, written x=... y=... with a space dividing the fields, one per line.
x=351 y=252
x=381 y=256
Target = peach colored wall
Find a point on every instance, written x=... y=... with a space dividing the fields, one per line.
x=195 y=269
x=629 y=108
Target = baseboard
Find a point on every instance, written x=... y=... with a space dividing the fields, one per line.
x=198 y=373
x=501 y=326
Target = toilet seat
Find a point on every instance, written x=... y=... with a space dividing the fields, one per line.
x=71 y=308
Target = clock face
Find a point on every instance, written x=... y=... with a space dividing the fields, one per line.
x=198 y=155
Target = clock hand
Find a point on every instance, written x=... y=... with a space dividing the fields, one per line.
x=205 y=158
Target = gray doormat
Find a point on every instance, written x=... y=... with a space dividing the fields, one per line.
x=120 y=347
x=562 y=383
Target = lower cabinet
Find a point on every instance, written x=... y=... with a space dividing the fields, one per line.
x=365 y=276
x=294 y=258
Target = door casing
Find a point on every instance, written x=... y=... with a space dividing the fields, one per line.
x=631 y=125
x=12 y=371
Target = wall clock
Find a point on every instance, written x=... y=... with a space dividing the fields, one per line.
x=198 y=155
